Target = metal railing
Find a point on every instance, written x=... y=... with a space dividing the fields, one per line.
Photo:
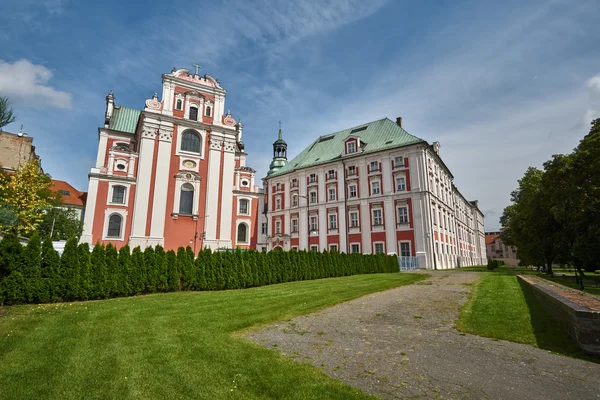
x=407 y=263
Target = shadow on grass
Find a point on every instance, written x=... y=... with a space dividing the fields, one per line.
x=549 y=333
x=503 y=270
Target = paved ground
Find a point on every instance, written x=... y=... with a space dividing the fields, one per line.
x=401 y=344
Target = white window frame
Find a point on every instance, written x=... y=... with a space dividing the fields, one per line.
x=278 y=187
x=110 y=193
x=374 y=166
x=373 y=192
x=264 y=228
x=247 y=232
x=399 y=164
x=357 y=219
x=107 y=214
x=294 y=183
x=352 y=168
x=314 y=227
x=400 y=248
x=351 y=146
x=329 y=220
x=310 y=196
x=294 y=225
x=295 y=200
x=314 y=248
x=179 y=181
x=278 y=203
x=374 y=217
x=357 y=244
x=208 y=105
x=312 y=178
x=278 y=227
x=398 y=208
x=375 y=244
x=331 y=174
x=329 y=191
x=190 y=154
x=240 y=206
x=400 y=188
x=334 y=247
x=350 y=196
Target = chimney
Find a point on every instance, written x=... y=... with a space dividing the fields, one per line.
x=110 y=105
x=399 y=121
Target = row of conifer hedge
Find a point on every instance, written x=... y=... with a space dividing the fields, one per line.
x=35 y=273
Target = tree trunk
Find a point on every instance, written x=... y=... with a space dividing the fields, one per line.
x=549 y=266
x=579 y=272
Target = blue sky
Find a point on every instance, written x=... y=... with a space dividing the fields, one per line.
x=502 y=85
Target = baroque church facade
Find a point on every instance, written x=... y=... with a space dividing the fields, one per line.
x=173 y=173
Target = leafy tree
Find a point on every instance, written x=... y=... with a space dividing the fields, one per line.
x=32 y=260
x=7 y=115
x=112 y=270
x=62 y=223
x=98 y=272
x=51 y=286
x=28 y=196
x=173 y=273
x=124 y=281
x=69 y=263
x=85 y=268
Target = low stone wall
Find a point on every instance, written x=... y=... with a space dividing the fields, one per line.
x=582 y=323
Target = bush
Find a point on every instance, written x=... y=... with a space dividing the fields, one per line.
x=38 y=274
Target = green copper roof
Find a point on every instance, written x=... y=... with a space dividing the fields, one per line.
x=376 y=136
x=124 y=119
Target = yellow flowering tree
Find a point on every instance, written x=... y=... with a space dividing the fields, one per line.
x=27 y=195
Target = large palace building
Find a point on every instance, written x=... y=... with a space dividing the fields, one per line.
x=373 y=188
x=173 y=174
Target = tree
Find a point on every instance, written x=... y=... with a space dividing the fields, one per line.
x=51 y=284
x=27 y=194
x=61 y=223
x=7 y=115
x=69 y=265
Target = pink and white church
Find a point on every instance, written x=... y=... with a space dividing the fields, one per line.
x=174 y=173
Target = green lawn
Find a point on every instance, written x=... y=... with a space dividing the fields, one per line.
x=168 y=346
x=501 y=308
x=592 y=280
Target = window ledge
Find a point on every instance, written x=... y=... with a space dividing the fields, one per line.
x=177 y=215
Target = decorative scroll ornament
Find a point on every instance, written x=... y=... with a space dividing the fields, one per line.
x=153 y=103
x=229 y=120
x=189 y=164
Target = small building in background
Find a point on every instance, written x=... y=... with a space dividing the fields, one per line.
x=16 y=150
x=72 y=199
x=497 y=250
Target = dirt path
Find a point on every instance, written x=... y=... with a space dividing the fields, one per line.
x=401 y=344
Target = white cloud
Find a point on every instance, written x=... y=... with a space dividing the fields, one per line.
x=27 y=84
x=594 y=82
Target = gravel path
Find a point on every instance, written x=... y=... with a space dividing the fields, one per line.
x=401 y=344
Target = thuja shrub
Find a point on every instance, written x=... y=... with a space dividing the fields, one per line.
x=37 y=274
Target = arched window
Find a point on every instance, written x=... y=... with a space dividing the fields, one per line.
x=114 y=226
x=118 y=194
x=186 y=199
x=178 y=104
x=194 y=113
x=208 y=110
x=190 y=141
x=242 y=234
x=243 y=206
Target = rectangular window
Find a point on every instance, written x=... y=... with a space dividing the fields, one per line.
x=332 y=221
x=354 y=219
x=278 y=203
x=312 y=178
x=377 y=220
x=331 y=174
x=313 y=223
x=351 y=147
x=351 y=170
x=193 y=113
x=313 y=197
x=374 y=166
x=331 y=194
x=118 y=196
x=314 y=248
x=355 y=248
x=400 y=184
x=278 y=227
x=264 y=228
x=278 y=187
x=295 y=225
x=375 y=188
x=243 y=206
x=294 y=182
x=294 y=201
x=399 y=162
x=405 y=249
x=178 y=104
x=378 y=248
x=403 y=215
x=333 y=247
x=352 y=191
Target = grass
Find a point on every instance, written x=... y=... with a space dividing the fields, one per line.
x=591 y=281
x=501 y=308
x=176 y=345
